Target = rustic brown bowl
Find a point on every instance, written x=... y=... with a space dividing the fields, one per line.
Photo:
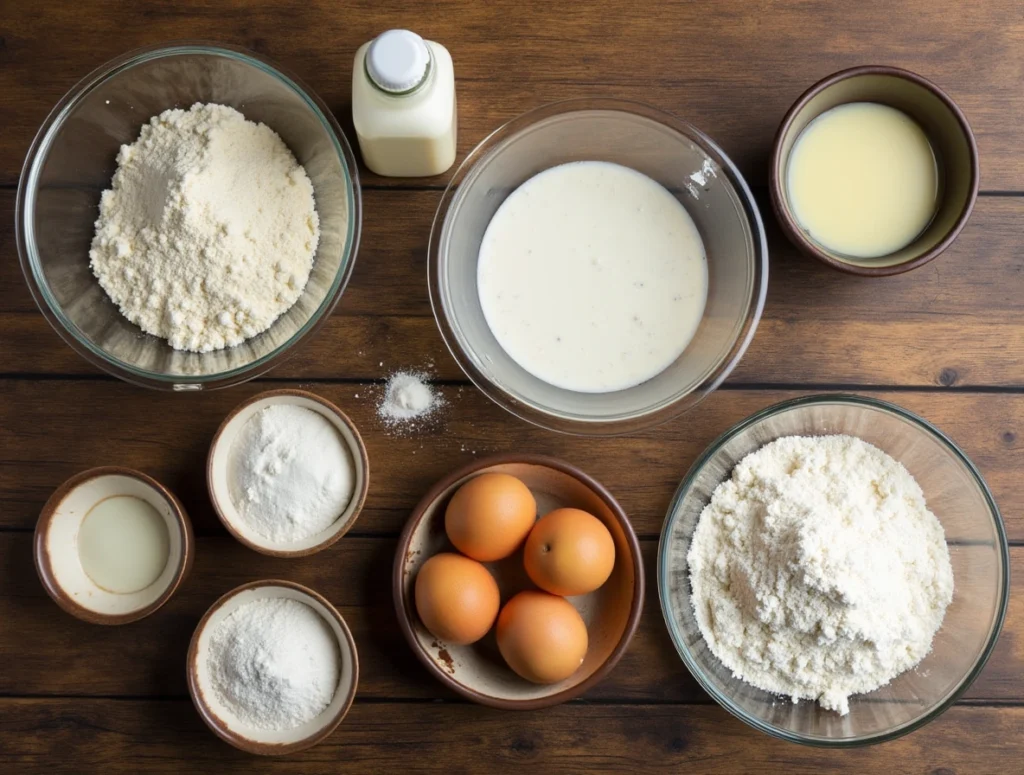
x=56 y=553
x=258 y=741
x=612 y=613
x=217 y=473
x=947 y=129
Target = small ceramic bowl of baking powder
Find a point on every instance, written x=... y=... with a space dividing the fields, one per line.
x=219 y=473
x=220 y=719
x=112 y=545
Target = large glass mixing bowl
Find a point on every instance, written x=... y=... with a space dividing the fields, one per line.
x=679 y=157
x=72 y=160
x=955 y=493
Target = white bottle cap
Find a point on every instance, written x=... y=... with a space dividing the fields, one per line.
x=397 y=60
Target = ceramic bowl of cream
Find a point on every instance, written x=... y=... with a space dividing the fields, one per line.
x=88 y=556
x=947 y=131
x=216 y=712
x=224 y=470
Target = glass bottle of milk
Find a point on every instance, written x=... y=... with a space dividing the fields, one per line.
x=403 y=105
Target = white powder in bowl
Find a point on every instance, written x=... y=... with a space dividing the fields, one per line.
x=818 y=571
x=208 y=231
x=274 y=663
x=290 y=473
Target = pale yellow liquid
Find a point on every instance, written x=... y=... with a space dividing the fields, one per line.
x=123 y=544
x=862 y=180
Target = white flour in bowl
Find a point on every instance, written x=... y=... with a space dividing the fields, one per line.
x=818 y=571
x=208 y=232
x=274 y=663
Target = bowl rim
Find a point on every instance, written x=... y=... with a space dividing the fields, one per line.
x=776 y=175
x=220 y=727
x=360 y=459
x=398 y=579
x=44 y=568
x=923 y=425
x=25 y=208
x=663 y=413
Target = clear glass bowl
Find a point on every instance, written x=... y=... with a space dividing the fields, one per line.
x=72 y=160
x=666 y=149
x=954 y=491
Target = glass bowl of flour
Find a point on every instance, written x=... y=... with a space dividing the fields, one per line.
x=187 y=214
x=597 y=266
x=834 y=571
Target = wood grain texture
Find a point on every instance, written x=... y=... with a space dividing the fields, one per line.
x=731 y=69
x=147 y=658
x=73 y=735
x=946 y=339
x=954 y=322
x=167 y=436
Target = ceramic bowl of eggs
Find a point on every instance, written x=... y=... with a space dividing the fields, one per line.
x=518 y=581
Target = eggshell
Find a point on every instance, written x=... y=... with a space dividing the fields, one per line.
x=489 y=517
x=457 y=598
x=569 y=552
x=541 y=636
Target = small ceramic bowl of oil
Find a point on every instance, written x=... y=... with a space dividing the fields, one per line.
x=874 y=171
x=112 y=545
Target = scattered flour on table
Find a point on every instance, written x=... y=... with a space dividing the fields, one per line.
x=408 y=398
x=818 y=571
x=290 y=473
x=208 y=232
x=274 y=663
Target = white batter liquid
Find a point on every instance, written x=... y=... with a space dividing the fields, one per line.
x=592 y=277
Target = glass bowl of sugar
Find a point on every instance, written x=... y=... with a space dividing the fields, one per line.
x=597 y=266
x=782 y=637
x=221 y=306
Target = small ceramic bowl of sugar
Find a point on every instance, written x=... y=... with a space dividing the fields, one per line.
x=287 y=473
x=307 y=674
x=112 y=545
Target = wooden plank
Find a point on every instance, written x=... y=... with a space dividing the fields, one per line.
x=167 y=435
x=730 y=70
x=152 y=736
x=354 y=574
x=950 y=323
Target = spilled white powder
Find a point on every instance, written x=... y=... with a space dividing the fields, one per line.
x=818 y=571
x=290 y=473
x=408 y=397
x=208 y=231
x=274 y=663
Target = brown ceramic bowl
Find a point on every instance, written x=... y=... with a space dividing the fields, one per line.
x=947 y=129
x=217 y=473
x=221 y=721
x=612 y=613
x=56 y=546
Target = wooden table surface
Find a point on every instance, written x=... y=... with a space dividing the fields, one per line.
x=944 y=341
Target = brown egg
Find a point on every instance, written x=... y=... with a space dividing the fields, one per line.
x=489 y=517
x=457 y=598
x=569 y=552
x=541 y=636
